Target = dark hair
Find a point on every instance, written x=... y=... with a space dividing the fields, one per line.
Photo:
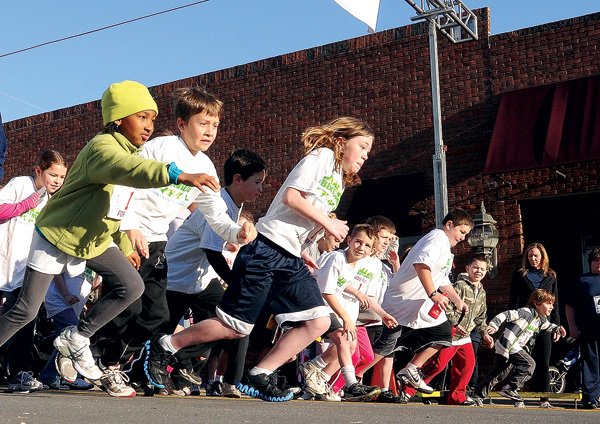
x=162 y=132
x=243 y=162
x=593 y=255
x=458 y=217
x=50 y=157
x=479 y=257
x=380 y=222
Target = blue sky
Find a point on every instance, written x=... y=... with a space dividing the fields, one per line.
x=213 y=35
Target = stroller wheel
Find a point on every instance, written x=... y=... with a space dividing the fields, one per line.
x=557 y=380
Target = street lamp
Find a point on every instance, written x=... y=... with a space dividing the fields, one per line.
x=458 y=23
x=484 y=238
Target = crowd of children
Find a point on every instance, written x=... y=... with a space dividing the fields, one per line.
x=337 y=317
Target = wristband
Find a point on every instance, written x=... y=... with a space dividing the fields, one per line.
x=173 y=172
x=433 y=293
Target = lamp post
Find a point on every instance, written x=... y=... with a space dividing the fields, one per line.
x=458 y=23
x=484 y=238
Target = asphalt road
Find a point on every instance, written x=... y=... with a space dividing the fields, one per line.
x=97 y=407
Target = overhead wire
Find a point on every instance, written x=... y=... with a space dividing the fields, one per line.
x=103 y=28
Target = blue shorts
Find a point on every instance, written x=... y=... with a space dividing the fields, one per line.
x=266 y=274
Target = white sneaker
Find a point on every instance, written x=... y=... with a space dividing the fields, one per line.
x=414 y=379
x=24 y=382
x=114 y=383
x=520 y=404
x=313 y=379
x=546 y=405
x=65 y=368
x=230 y=391
x=330 y=396
x=72 y=345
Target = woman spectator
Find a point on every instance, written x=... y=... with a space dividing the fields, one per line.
x=535 y=273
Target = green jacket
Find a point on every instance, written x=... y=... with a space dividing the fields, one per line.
x=476 y=318
x=74 y=220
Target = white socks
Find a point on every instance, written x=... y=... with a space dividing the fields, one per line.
x=349 y=374
x=165 y=342
x=256 y=371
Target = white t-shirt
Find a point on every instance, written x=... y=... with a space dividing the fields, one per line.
x=152 y=210
x=405 y=297
x=315 y=174
x=17 y=232
x=188 y=270
x=335 y=274
x=376 y=288
x=81 y=286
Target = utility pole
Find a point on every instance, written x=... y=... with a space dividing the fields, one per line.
x=458 y=23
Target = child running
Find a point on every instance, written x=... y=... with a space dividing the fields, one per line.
x=74 y=228
x=470 y=289
x=23 y=198
x=196 y=262
x=511 y=348
x=271 y=269
x=146 y=223
x=344 y=277
x=414 y=290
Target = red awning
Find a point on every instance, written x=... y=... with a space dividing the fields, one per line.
x=546 y=126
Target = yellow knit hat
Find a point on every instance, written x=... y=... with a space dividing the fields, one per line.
x=125 y=98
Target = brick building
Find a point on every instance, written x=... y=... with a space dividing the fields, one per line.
x=383 y=78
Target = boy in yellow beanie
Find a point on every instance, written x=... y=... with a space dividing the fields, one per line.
x=76 y=228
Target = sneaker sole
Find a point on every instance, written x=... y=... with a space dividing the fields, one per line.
x=190 y=379
x=364 y=398
x=508 y=396
x=65 y=369
x=119 y=395
x=406 y=381
x=252 y=392
x=233 y=395
x=146 y=359
x=18 y=390
x=65 y=352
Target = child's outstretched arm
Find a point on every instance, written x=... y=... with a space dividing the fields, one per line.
x=297 y=201
x=388 y=320
x=214 y=209
x=557 y=331
x=200 y=181
x=424 y=274
x=349 y=325
x=10 y=210
x=455 y=298
x=561 y=332
x=365 y=301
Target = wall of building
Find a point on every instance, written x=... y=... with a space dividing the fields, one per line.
x=382 y=78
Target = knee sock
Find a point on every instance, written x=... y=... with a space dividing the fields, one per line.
x=349 y=374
